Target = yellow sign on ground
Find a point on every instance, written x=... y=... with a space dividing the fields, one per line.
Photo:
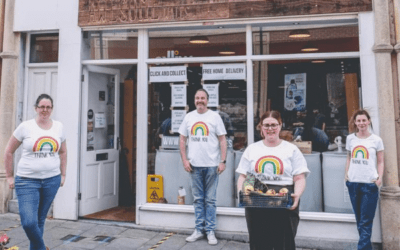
x=155 y=188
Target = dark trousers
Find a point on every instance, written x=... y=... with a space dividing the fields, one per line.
x=272 y=229
x=364 y=198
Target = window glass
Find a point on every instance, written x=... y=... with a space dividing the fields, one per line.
x=322 y=40
x=316 y=99
x=44 y=48
x=170 y=102
x=204 y=43
x=115 y=44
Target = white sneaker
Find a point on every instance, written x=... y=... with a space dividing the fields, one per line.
x=196 y=235
x=211 y=238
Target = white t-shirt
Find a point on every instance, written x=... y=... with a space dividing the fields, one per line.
x=363 y=157
x=40 y=148
x=278 y=164
x=202 y=131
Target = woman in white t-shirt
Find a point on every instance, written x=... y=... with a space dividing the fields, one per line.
x=283 y=165
x=41 y=169
x=364 y=171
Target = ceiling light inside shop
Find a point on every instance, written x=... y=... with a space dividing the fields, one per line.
x=199 y=40
x=299 y=34
x=309 y=48
x=318 y=61
x=227 y=51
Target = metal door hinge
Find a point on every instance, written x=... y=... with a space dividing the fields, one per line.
x=79 y=196
x=82 y=78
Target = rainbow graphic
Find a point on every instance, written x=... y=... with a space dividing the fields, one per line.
x=276 y=163
x=200 y=126
x=46 y=142
x=362 y=150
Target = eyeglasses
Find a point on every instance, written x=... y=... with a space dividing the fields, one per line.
x=273 y=126
x=45 y=107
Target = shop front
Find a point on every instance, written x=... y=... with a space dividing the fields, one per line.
x=139 y=67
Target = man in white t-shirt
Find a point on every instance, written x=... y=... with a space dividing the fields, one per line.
x=204 y=131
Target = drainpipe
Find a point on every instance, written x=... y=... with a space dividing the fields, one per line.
x=390 y=192
x=8 y=97
x=2 y=3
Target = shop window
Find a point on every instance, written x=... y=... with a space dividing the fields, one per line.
x=117 y=44
x=335 y=39
x=170 y=99
x=205 y=43
x=316 y=99
x=44 y=48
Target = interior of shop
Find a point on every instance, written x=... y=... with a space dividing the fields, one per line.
x=310 y=94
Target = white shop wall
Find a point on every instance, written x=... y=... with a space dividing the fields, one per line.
x=61 y=16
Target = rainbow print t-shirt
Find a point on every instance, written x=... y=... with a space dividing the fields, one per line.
x=363 y=157
x=202 y=131
x=40 y=149
x=278 y=164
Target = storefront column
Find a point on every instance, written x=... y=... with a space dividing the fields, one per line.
x=8 y=96
x=390 y=192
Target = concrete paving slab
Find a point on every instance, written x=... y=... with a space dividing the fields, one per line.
x=49 y=224
x=174 y=242
x=153 y=241
x=58 y=232
x=233 y=245
x=125 y=243
x=17 y=235
x=67 y=247
x=138 y=233
x=102 y=230
x=86 y=243
x=77 y=225
x=203 y=245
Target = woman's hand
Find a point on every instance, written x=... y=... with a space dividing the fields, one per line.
x=10 y=181
x=62 y=180
x=296 y=199
x=378 y=182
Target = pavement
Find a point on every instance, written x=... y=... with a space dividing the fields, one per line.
x=92 y=234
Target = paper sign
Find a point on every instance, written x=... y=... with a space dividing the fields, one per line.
x=100 y=120
x=234 y=71
x=178 y=95
x=295 y=92
x=213 y=93
x=177 y=119
x=168 y=74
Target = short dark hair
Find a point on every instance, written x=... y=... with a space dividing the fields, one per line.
x=205 y=91
x=352 y=124
x=272 y=113
x=41 y=97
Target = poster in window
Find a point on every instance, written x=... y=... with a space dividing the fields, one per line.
x=178 y=95
x=295 y=92
x=212 y=90
x=177 y=119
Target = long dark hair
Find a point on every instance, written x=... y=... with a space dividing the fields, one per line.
x=352 y=124
x=272 y=113
x=41 y=97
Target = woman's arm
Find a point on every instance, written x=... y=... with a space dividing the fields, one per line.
x=346 y=171
x=299 y=187
x=380 y=162
x=63 y=161
x=12 y=145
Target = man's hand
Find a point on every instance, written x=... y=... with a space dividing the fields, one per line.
x=10 y=181
x=221 y=168
x=186 y=165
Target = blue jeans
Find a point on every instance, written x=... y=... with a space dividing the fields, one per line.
x=34 y=199
x=364 y=198
x=204 y=189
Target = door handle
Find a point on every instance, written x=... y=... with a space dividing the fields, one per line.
x=118 y=142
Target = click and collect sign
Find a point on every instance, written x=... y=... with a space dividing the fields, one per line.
x=233 y=71
x=168 y=74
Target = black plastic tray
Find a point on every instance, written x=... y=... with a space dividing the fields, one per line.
x=264 y=201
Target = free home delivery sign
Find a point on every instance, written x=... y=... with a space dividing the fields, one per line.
x=233 y=71
x=168 y=74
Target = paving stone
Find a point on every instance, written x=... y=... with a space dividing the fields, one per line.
x=124 y=243
x=203 y=245
x=58 y=232
x=138 y=233
x=86 y=243
x=17 y=235
x=173 y=242
x=49 y=224
x=233 y=245
x=83 y=226
x=153 y=241
x=102 y=230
